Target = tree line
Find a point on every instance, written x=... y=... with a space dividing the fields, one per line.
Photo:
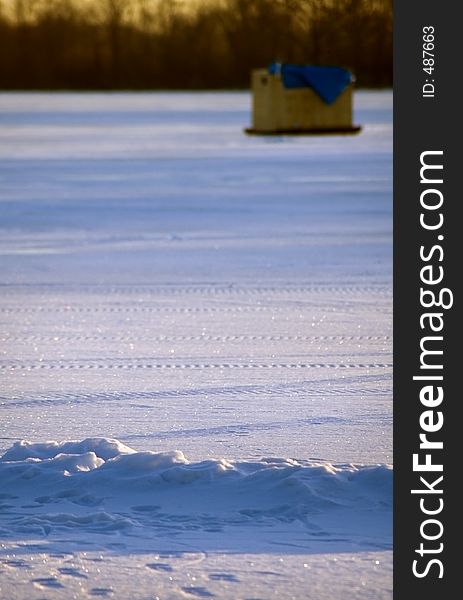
x=166 y=44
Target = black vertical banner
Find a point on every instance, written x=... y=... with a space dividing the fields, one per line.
x=428 y=252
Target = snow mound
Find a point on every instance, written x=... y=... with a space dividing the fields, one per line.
x=102 y=447
x=100 y=485
x=99 y=462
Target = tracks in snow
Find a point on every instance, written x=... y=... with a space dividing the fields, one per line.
x=196 y=338
x=202 y=290
x=66 y=365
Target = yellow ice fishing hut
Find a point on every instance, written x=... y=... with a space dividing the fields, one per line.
x=297 y=99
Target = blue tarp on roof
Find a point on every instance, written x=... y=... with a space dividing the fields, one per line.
x=327 y=82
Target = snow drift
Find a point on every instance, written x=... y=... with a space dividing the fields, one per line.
x=101 y=485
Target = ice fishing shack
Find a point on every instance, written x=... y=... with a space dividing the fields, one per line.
x=300 y=99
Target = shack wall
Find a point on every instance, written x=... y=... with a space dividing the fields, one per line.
x=277 y=108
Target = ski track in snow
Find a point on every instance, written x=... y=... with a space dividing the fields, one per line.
x=193 y=292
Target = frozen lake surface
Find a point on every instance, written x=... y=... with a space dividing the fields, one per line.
x=221 y=304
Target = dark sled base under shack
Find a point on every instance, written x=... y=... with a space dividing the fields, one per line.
x=352 y=130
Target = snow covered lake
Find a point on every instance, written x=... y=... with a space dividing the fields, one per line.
x=222 y=306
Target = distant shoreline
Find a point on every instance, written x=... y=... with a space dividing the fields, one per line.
x=153 y=90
